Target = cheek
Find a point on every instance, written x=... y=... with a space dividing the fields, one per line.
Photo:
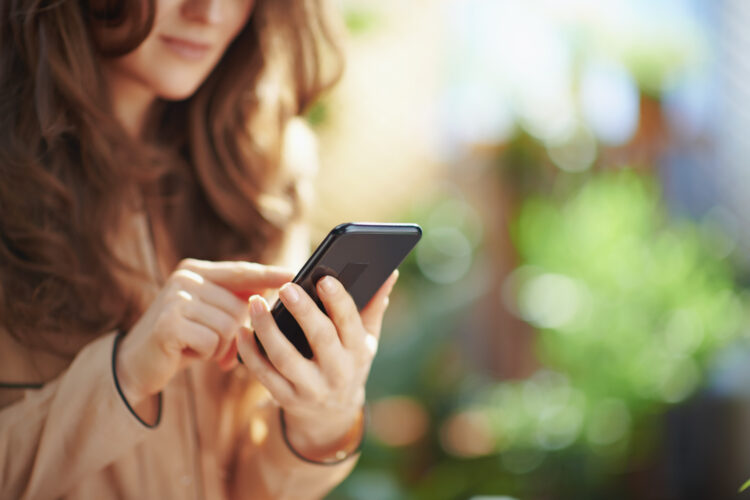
x=239 y=15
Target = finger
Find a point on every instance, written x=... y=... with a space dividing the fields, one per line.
x=279 y=387
x=281 y=353
x=239 y=276
x=219 y=297
x=343 y=312
x=319 y=329
x=197 y=286
x=215 y=319
x=372 y=313
x=200 y=340
x=229 y=360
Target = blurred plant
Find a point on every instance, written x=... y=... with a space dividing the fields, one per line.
x=630 y=307
x=361 y=19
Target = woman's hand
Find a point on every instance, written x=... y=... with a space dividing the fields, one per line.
x=322 y=397
x=196 y=315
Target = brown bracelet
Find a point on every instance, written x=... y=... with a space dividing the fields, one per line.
x=340 y=455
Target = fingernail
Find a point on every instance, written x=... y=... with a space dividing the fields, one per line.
x=257 y=305
x=289 y=293
x=394 y=279
x=329 y=286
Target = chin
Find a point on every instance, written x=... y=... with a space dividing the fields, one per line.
x=177 y=92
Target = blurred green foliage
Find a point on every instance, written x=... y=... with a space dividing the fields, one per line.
x=317 y=114
x=359 y=19
x=629 y=305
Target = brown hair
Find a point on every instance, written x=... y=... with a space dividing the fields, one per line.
x=68 y=170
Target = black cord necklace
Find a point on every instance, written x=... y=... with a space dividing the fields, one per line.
x=21 y=385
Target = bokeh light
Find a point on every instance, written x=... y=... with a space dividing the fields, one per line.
x=398 y=420
x=467 y=434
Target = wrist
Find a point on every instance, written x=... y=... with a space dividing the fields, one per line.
x=128 y=387
x=321 y=431
x=146 y=409
x=324 y=442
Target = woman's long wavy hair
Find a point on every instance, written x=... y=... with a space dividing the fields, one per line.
x=208 y=168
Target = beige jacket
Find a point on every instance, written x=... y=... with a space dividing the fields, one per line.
x=74 y=438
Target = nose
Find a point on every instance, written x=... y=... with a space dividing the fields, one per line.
x=204 y=11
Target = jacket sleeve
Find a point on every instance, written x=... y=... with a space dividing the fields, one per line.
x=73 y=426
x=266 y=469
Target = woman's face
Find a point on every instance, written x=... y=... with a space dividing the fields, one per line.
x=187 y=40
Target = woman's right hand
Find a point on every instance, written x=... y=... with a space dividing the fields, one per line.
x=196 y=315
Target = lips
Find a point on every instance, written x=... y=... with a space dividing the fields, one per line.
x=187 y=49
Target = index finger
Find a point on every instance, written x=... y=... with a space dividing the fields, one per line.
x=239 y=276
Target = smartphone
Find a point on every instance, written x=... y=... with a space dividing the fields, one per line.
x=361 y=255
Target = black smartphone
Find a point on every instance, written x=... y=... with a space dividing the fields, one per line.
x=361 y=255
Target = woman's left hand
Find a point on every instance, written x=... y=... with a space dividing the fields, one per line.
x=322 y=397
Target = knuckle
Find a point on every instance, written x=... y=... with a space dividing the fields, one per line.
x=284 y=364
x=319 y=396
x=179 y=281
x=179 y=298
x=302 y=307
x=187 y=264
x=185 y=277
x=284 y=398
x=171 y=288
x=252 y=267
x=337 y=377
x=364 y=356
x=236 y=271
x=171 y=314
x=227 y=325
x=212 y=344
x=322 y=337
x=350 y=319
x=344 y=312
x=330 y=340
x=309 y=308
x=164 y=320
x=243 y=268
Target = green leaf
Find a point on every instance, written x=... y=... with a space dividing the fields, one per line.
x=744 y=486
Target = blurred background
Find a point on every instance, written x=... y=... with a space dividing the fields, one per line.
x=574 y=322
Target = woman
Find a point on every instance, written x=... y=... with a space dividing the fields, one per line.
x=145 y=194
